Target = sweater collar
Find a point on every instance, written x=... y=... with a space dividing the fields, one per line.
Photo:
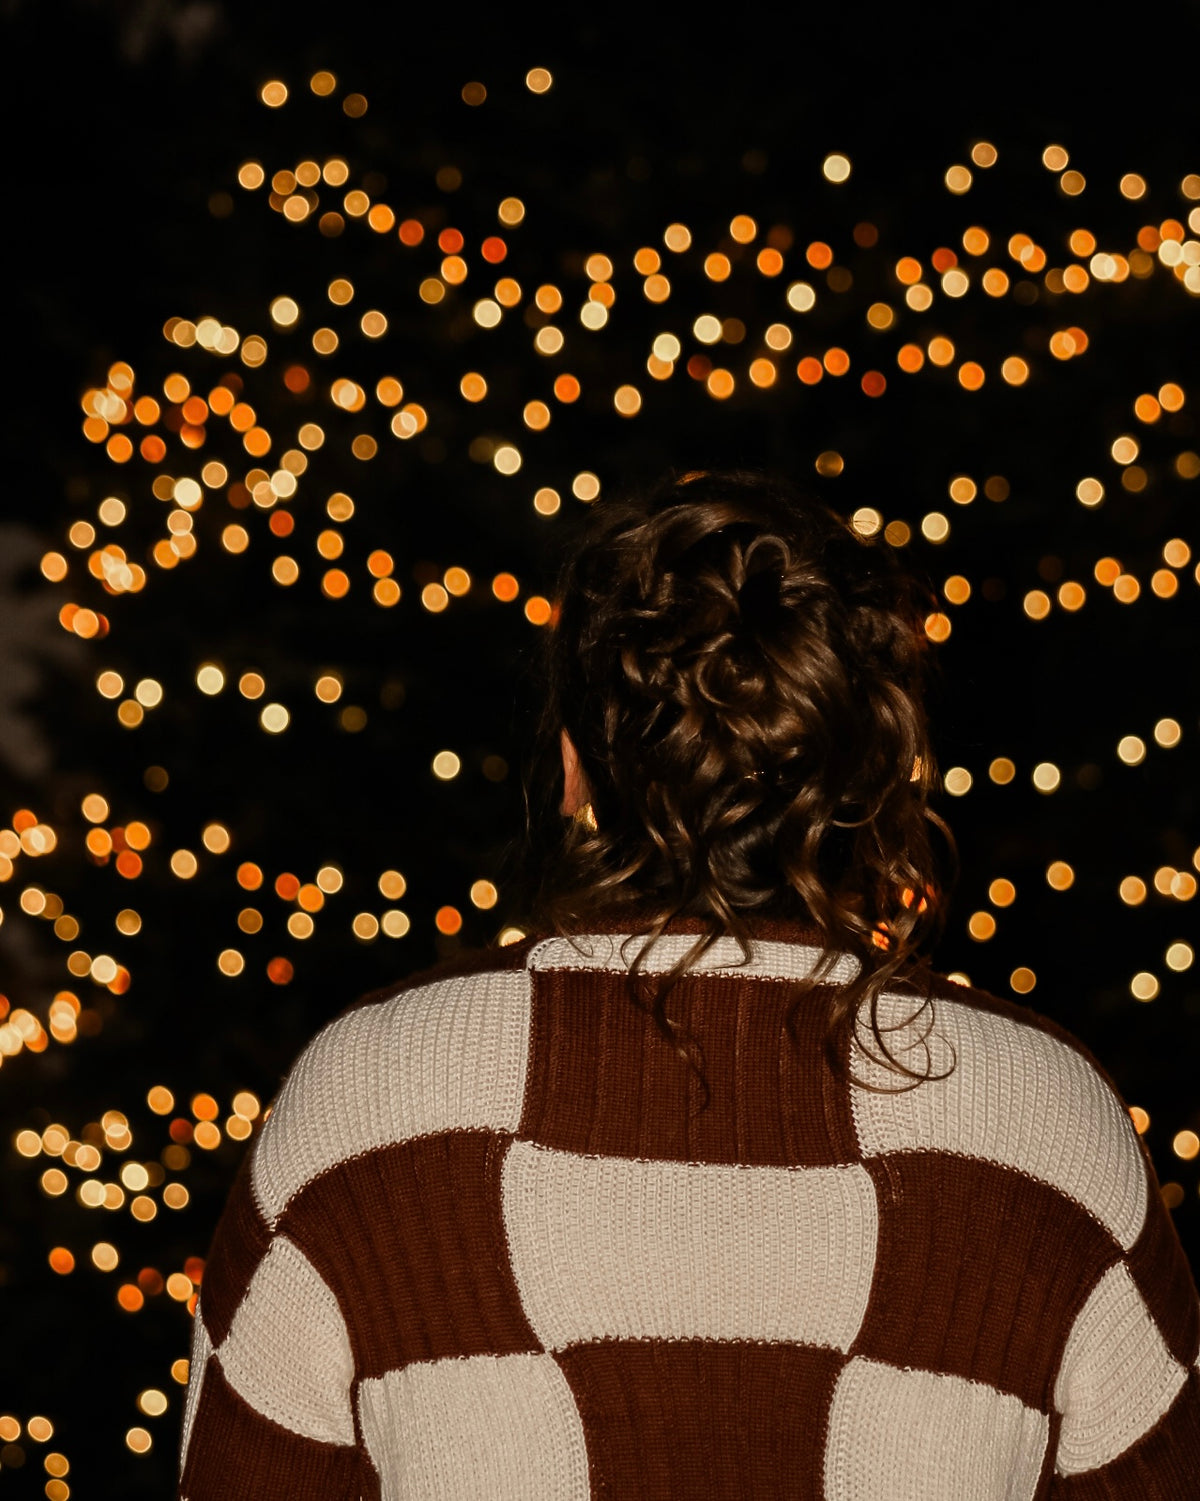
x=639 y=918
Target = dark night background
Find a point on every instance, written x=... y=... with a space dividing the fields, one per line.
x=125 y=125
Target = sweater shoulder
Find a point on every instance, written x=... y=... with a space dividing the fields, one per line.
x=443 y=1049
x=1007 y=1084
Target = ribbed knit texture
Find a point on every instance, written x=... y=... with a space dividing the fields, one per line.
x=488 y=1246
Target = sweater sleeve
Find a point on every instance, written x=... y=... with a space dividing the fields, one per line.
x=269 y=1410
x=1128 y=1384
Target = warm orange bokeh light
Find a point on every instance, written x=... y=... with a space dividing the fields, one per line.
x=566 y=388
x=819 y=255
x=310 y=897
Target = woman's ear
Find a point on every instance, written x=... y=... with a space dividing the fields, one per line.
x=575 y=788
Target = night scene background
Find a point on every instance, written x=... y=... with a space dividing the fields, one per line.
x=324 y=328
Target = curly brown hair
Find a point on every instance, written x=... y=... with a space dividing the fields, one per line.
x=742 y=675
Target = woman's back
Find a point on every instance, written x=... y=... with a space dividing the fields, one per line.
x=487 y=1246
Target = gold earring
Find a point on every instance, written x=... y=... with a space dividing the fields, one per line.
x=585 y=814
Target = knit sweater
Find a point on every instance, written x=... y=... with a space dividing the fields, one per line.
x=487 y=1245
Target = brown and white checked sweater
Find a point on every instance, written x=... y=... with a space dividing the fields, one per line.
x=483 y=1249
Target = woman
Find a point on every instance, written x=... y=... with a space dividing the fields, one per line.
x=708 y=1187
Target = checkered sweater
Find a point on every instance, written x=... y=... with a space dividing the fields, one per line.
x=487 y=1246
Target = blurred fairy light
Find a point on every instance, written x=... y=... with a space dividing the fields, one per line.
x=446 y=766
